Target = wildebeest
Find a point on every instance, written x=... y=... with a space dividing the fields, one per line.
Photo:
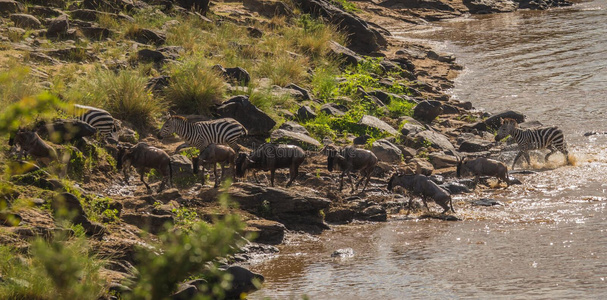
x=421 y=185
x=215 y=154
x=271 y=157
x=30 y=143
x=351 y=159
x=483 y=166
x=143 y=157
x=60 y=130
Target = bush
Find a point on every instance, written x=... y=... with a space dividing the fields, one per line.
x=123 y=94
x=16 y=84
x=195 y=87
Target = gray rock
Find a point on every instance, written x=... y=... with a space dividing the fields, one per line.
x=252 y=118
x=182 y=166
x=306 y=94
x=290 y=137
x=375 y=123
x=475 y=145
x=490 y=6
x=243 y=282
x=294 y=127
x=25 y=21
x=94 y=32
x=435 y=139
x=149 y=222
x=411 y=128
x=305 y=113
x=331 y=109
x=9 y=6
x=44 y=11
x=58 y=26
x=344 y=54
x=148 y=36
x=361 y=140
x=148 y=55
x=278 y=91
x=456 y=188
x=427 y=111
x=421 y=166
x=343 y=253
x=386 y=151
x=268 y=8
x=185 y=292
x=268 y=232
x=485 y=202
x=493 y=122
x=374 y=213
x=255 y=32
x=440 y=160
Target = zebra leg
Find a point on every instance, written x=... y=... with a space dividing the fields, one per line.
x=516 y=158
x=527 y=158
x=552 y=150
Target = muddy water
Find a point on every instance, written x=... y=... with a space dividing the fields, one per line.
x=549 y=238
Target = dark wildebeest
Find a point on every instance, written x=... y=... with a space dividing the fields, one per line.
x=421 y=185
x=61 y=130
x=30 y=143
x=215 y=154
x=483 y=166
x=351 y=159
x=143 y=156
x=271 y=157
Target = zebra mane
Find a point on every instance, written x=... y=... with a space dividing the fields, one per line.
x=510 y=120
x=179 y=117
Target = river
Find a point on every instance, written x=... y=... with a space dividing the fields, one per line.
x=549 y=238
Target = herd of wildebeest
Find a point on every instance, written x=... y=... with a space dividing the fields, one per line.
x=216 y=141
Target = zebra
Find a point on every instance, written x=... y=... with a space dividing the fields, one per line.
x=201 y=134
x=533 y=139
x=98 y=118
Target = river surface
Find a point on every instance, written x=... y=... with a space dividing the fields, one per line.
x=549 y=238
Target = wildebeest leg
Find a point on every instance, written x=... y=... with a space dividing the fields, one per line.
x=425 y=203
x=341 y=180
x=255 y=176
x=141 y=173
x=351 y=182
x=367 y=181
x=293 y=172
x=203 y=175
x=165 y=177
x=410 y=203
x=125 y=169
x=223 y=170
x=516 y=158
x=215 y=173
x=272 y=172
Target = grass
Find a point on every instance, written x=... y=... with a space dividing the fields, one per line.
x=195 y=87
x=16 y=83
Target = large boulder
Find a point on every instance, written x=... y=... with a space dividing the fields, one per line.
x=25 y=21
x=68 y=206
x=237 y=74
x=149 y=222
x=252 y=118
x=375 y=123
x=342 y=53
x=148 y=36
x=290 y=137
x=386 y=151
x=295 y=209
x=243 y=282
x=331 y=109
x=305 y=113
x=181 y=166
x=475 y=145
x=490 y=6
x=201 y=6
x=427 y=111
x=493 y=122
x=268 y=8
x=9 y=6
x=268 y=232
x=435 y=140
x=294 y=127
x=361 y=36
x=58 y=26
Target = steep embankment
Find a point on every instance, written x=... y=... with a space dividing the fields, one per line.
x=273 y=66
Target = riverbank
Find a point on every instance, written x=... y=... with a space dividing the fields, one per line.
x=411 y=124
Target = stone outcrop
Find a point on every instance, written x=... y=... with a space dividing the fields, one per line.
x=284 y=136
x=386 y=151
x=375 y=123
x=252 y=118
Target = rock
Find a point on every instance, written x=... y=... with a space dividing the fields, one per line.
x=185 y=292
x=237 y=74
x=147 y=55
x=331 y=109
x=530 y=124
x=201 y=6
x=306 y=113
x=68 y=206
x=410 y=128
x=456 y=188
x=94 y=32
x=421 y=166
x=243 y=282
x=440 y=160
x=475 y=145
x=295 y=209
x=374 y=213
x=427 y=111
x=294 y=127
x=493 y=122
x=255 y=32
x=114 y=6
x=339 y=216
x=252 y=118
x=53 y=3
x=485 y=202
x=375 y=123
x=158 y=84
x=386 y=151
x=151 y=223
x=435 y=139
x=361 y=140
x=343 y=253
x=268 y=232
x=93 y=15
x=362 y=38
x=489 y=6
x=147 y=36
x=344 y=54
x=9 y=7
x=444 y=217
x=280 y=92
x=181 y=165
x=407 y=151
x=25 y=21
x=268 y=8
x=305 y=93
x=384 y=97
x=58 y=26
x=290 y=137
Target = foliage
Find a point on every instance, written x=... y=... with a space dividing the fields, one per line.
x=123 y=94
x=195 y=87
x=185 y=218
x=59 y=269
x=100 y=209
x=324 y=83
x=347 y=5
x=27 y=110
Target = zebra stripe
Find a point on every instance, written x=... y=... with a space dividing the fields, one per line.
x=533 y=139
x=201 y=134
x=98 y=118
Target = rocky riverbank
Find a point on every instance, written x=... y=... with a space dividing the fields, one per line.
x=51 y=37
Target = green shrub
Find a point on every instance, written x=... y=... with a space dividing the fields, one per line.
x=15 y=84
x=195 y=87
x=324 y=83
x=398 y=108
